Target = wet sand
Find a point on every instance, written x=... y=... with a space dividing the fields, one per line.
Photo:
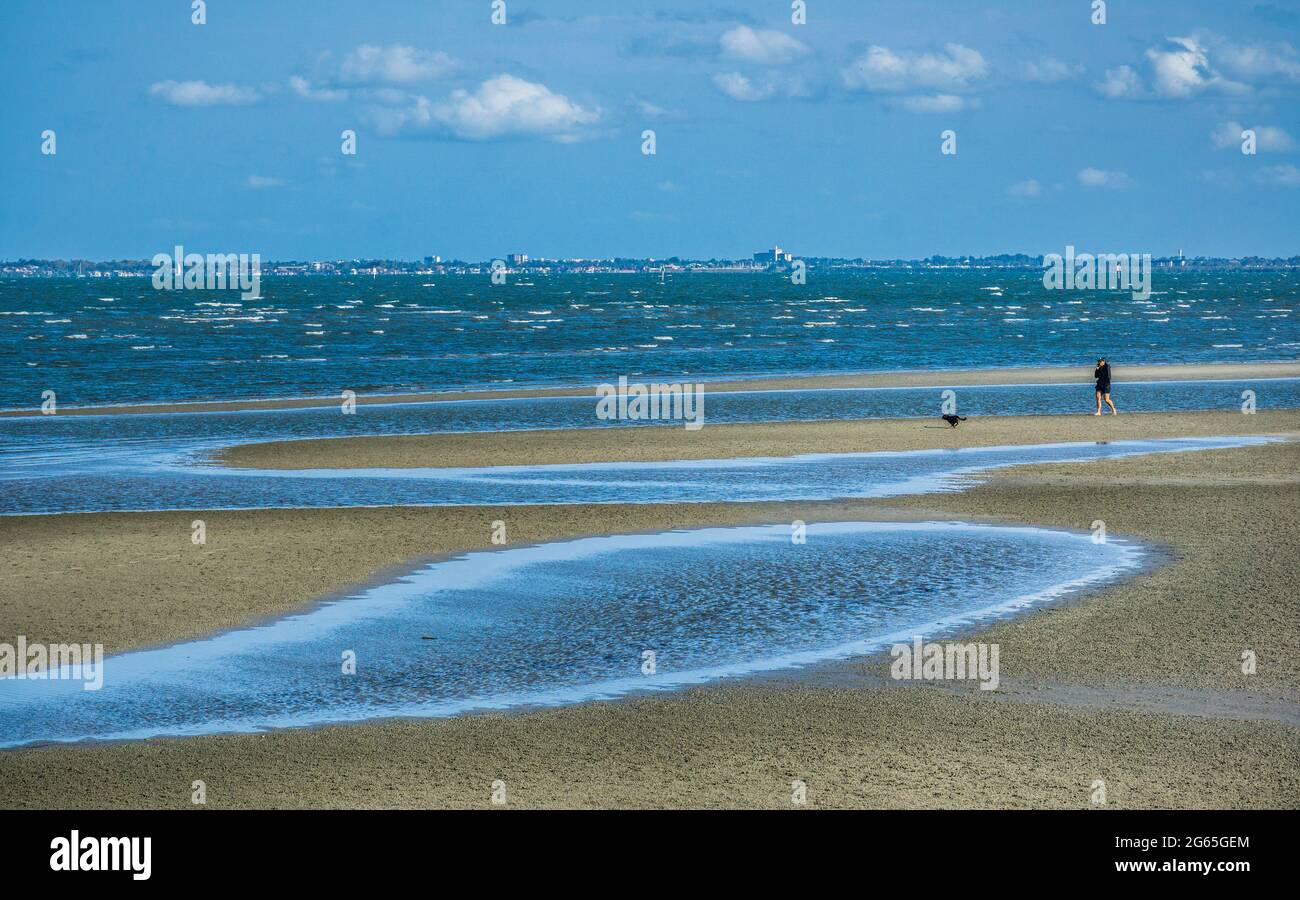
x=909 y=378
x=1138 y=684
x=665 y=442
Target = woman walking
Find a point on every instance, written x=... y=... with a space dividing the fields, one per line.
x=1102 y=374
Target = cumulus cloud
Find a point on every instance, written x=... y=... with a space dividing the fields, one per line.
x=1259 y=63
x=200 y=93
x=880 y=69
x=501 y=107
x=1268 y=138
x=1050 y=70
x=738 y=87
x=393 y=64
x=379 y=74
x=1194 y=65
x=1027 y=189
x=304 y=89
x=1182 y=69
x=751 y=90
x=1099 y=178
x=766 y=47
x=1120 y=83
x=933 y=103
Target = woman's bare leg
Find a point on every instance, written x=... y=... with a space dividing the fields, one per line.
x=1098 y=412
x=1113 y=410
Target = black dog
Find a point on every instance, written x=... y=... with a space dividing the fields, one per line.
x=953 y=420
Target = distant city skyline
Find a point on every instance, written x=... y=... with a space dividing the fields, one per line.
x=775 y=260
x=898 y=131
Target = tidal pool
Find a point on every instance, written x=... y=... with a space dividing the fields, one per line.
x=572 y=621
x=128 y=479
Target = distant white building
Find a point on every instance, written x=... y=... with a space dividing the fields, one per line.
x=775 y=256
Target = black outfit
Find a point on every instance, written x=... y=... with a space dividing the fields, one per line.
x=1102 y=374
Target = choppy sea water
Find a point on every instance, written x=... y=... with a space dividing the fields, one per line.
x=572 y=621
x=119 y=341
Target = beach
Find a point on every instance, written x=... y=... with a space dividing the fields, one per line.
x=727 y=440
x=940 y=378
x=633 y=408
x=1138 y=684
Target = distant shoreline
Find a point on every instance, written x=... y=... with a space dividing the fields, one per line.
x=763 y=262
x=913 y=378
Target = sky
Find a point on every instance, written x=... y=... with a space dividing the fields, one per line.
x=476 y=139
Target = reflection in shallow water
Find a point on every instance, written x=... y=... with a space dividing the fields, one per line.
x=159 y=481
x=570 y=621
x=89 y=463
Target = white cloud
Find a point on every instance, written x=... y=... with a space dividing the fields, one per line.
x=1182 y=69
x=372 y=73
x=1268 y=138
x=1120 y=83
x=262 y=182
x=669 y=187
x=1284 y=175
x=1049 y=70
x=750 y=90
x=393 y=64
x=1194 y=65
x=766 y=47
x=1258 y=62
x=934 y=103
x=880 y=69
x=650 y=109
x=501 y=107
x=738 y=87
x=200 y=93
x=1028 y=188
x=1099 y=178
x=304 y=89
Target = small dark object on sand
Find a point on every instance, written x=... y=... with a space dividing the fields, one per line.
x=953 y=420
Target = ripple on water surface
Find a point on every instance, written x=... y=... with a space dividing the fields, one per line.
x=570 y=621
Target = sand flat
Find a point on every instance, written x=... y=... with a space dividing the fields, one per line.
x=725 y=441
x=1138 y=684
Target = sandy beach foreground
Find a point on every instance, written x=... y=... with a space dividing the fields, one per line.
x=658 y=443
x=1138 y=684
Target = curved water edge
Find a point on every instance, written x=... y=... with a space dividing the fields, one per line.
x=570 y=621
x=54 y=464
x=158 y=480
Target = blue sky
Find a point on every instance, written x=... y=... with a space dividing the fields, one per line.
x=475 y=139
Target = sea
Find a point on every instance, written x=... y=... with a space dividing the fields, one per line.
x=461 y=634
x=97 y=341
